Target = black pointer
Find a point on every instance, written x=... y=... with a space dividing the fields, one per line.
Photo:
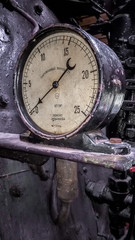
x=68 y=68
x=55 y=84
x=39 y=101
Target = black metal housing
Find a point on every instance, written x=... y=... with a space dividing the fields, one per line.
x=110 y=90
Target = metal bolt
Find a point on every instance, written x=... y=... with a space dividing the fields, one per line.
x=3 y=101
x=15 y=191
x=115 y=140
x=130 y=132
x=84 y=169
x=38 y=10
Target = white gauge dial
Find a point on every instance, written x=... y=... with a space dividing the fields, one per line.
x=60 y=82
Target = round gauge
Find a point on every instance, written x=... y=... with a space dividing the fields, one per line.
x=66 y=81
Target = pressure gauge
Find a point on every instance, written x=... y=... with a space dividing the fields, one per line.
x=67 y=81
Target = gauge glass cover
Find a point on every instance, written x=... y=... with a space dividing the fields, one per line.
x=59 y=79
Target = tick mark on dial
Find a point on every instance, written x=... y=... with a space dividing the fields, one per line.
x=93 y=71
x=84 y=114
x=69 y=41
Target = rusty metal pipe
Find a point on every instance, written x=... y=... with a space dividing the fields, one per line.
x=67 y=180
x=67 y=186
x=11 y=145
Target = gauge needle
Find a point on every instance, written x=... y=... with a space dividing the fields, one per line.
x=55 y=84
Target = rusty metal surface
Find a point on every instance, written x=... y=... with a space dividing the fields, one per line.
x=67 y=180
x=24 y=198
x=64 y=190
x=11 y=144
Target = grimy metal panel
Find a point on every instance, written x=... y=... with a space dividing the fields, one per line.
x=25 y=200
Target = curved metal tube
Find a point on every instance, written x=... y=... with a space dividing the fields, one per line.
x=64 y=190
x=15 y=5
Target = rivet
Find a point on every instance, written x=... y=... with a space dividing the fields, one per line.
x=84 y=169
x=15 y=191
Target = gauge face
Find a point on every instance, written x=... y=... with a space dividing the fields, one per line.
x=57 y=83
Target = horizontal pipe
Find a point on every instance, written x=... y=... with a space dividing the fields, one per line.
x=11 y=146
